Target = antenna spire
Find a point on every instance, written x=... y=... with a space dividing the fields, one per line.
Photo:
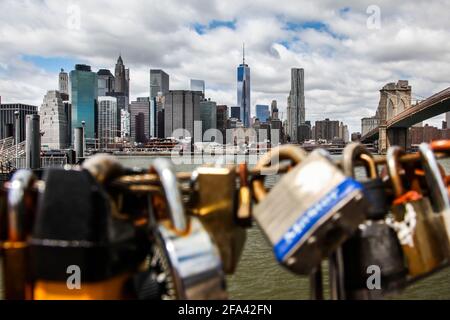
x=243 y=53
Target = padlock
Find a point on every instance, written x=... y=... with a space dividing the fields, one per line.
x=374 y=187
x=18 y=221
x=413 y=221
x=244 y=210
x=214 y=203
x=183 y=250
x=75 y=229
x=442 y=146
x=310 y=212
x=375 y=243
x=438 y=194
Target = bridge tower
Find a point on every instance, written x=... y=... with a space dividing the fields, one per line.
x=394 y=98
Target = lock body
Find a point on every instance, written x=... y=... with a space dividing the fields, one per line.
x=420 y=235
x=374 y=244
x=74 y=228
x=215 y=205
x=310 y=212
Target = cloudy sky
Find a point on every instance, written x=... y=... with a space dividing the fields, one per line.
x=347 y=52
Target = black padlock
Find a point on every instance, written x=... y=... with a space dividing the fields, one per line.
x=75 y=226
x=375 y=246
x=374 y=188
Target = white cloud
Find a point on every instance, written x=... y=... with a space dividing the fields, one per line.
x=345 y=63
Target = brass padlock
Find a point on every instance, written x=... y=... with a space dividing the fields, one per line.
x=438 y=195
x=413 y=221
x=244 y=210
x=214 y=203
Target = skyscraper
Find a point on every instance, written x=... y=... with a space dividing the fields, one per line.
x=447 y=119
x=274 y=110
x=83 y=95
x=198 y=85
x=140 y=120
x=7 y=118
x=106 y=82
x=107 y=120
x=124 y=123
x=122 y=78
x=235 y=112
x=222 y=117
x=54 y=125
x=243 y=91
x=262 y=112
x=159 y=82
x=296 y=103
x=63 y=82
x=208 y=115
x=181 y=109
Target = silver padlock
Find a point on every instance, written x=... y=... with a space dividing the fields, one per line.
x=189 y=258
x=310 y=212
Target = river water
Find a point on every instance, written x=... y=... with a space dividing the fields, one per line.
x=259 y=276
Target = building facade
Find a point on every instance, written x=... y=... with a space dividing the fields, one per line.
x=159 y=82
x=208 y=115
x=140 y=120
x=235 y=112
x=125 y=124
x=122 y=78
x=296 y=102
x=327 y=130
x=181 y=110
x=243 y=93
x=222 y=118
x=83 y=95
x=53 y=122
x=107 y=121
x=63 y=84
x=8 y=122
x=106 y=82
x=368 y=124
x=198 y=85
x=274 y=110
x=262 y=112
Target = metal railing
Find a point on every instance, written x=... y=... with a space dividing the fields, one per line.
x=46 y=162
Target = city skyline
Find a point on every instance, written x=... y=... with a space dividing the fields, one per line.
x=346 y=62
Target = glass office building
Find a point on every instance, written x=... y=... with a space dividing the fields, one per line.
x=83 y=85
x=262 y=112
x=235 y=112
x=243 y=92
x=208 y=115
x=198 y=85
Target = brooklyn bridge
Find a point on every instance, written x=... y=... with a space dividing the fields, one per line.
x=395 y=115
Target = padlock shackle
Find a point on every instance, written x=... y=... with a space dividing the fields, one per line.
x=358 y=152
x=270 y=160
x=166 y=173
x=394 y=167
x=20 y=183
x=433 y=177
